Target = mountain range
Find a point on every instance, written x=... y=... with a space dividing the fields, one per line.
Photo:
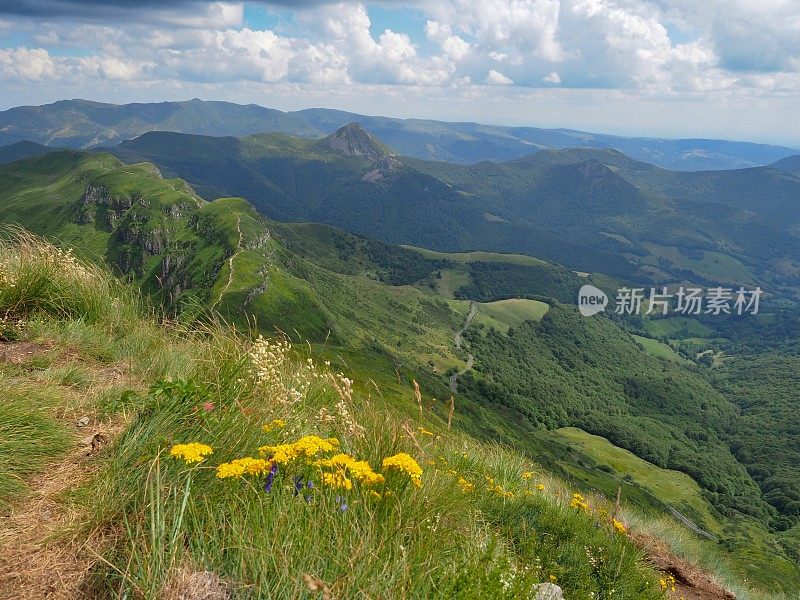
x=85 y=124
x=301 y=235
x=591 y=210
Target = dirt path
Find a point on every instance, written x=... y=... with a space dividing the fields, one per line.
x=40 y=557
x=691 y=583
x=239 y=250
x=37 y=560
x=457 y=340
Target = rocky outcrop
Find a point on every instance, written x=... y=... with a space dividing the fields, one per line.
x=354 y=140
x=98 y=206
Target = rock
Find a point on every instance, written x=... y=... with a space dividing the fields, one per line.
x=82 y=422
x=354 y=140
x=547 y=591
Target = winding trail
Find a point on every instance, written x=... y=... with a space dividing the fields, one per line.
x=239 y=250
x=457 y=340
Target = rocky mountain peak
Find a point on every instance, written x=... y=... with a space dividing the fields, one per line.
x=354 y=140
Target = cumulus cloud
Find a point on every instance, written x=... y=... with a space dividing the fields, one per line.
x=662 y=47
x=27 y=64
x=497 y=78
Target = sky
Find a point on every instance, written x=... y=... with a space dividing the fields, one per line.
x=670 y=68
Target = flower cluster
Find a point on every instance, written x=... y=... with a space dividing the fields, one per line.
x=619 y=526
x=579 y=502
x=344 y=388
x=465 y=485
x=494 y=488
x=274 y=371
x=243 y=466
x=404 y=463
x=306 y=447
x=337 y=468
x=7 y=279
x=62 y=262
x=191 y=453
x=274 y=425
x=667 y=583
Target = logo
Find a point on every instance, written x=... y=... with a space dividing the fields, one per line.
x=591 y=300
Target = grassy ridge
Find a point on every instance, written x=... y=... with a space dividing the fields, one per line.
x=214 y=387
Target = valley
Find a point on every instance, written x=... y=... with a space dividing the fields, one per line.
x=300 y=237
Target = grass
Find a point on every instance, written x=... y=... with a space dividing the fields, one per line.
x=673 y=488
x=189 y=383
x=505 y=314
x=713 y=265
x=659 y=349
x=677 y=327
x=30 y=438
x=480 y=256
x=208 y=385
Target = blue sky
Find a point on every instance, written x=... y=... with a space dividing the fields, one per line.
x=674 y=68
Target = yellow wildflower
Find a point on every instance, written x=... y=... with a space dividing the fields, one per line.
x=619 y=526
x=424 y=431
x=540 y=487
x=306 y=447
x=243 y=466
x=337 y=479
x=274 y=424
x=405 y=464
x=466 y=486
x=360 y=470
x=191 y=453
x=527 y=474
x=578 y=501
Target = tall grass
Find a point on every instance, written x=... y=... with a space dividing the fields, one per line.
x=485 y=521
x=437 y=541
x=29 y=439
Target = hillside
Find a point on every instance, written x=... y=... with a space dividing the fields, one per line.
x=20 y=150
x=85 y=124
x=590 y=210
x=215 y=465
x=381 y=312
x=790 y=164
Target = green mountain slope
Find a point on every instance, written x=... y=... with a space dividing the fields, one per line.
x=591 y=210
x=379 y=309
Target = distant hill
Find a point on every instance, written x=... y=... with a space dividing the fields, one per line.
x=20 y=150
x=790 y=164
x=85 y=124
x=592 y=210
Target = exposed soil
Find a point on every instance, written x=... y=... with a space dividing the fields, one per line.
x=36 y=559
x=691 y=583
x=20 y=352
x=40 y=557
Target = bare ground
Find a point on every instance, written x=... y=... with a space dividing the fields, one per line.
x=691 y=582
x=40 y=557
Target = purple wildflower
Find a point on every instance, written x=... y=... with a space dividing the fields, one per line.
x=270 y=477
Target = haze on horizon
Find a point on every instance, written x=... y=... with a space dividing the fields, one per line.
x=667 y=68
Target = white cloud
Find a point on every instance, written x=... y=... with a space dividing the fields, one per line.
x=29 y=64
x=453 y=46
x=553 y=77
x=497 y=78
x=666 y=49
